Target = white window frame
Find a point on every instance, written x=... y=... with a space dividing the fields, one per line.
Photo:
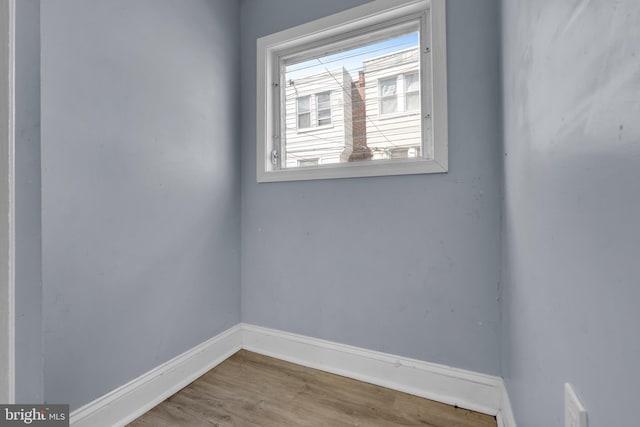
x=316 y=34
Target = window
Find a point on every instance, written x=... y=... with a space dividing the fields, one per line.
x=404 y=86
x=304 y=112
x=323 y=101
x=388 y=96
x=412 y=92
x=312 y=111
x=308 y=162
x=359 y=93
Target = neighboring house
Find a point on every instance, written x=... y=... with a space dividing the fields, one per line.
x=318 y=119
x=392 y=92
x=331 y=119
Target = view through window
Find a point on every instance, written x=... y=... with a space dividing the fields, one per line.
x=353 y=105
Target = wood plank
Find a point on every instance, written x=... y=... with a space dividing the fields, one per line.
x=249 y=390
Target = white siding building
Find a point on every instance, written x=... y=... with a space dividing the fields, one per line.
x=392 y=93
x=383 y=109
x=318 y=119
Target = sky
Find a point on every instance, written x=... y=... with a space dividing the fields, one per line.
x=351 y=59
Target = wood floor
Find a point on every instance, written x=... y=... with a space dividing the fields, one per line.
x=254 y=390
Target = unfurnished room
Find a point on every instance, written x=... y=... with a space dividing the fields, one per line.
x=320 y=213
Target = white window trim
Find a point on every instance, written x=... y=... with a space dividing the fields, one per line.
x=376 y=12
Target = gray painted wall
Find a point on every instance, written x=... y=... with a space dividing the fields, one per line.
x=572 y=203
x=29 y=363
x=408 y=265
x=140 y=194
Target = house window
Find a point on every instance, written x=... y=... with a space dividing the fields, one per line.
x=412 y=92
x=308 y=162
x=341 y=89
x=323 y=107
x=304 y=112
x=388 y=96
x=400 y=94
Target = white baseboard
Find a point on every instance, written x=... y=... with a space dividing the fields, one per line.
x=466 y=389
x=133 y=399
x=505 y=417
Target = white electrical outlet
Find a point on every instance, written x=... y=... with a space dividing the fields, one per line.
x=574 y=413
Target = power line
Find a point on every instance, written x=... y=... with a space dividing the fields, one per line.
x=411 y=44
x=339 y=142
x=348 y=93
x=320 y=75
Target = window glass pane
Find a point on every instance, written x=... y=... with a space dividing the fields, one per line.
x=324 y=101
x=412 y=101
x=304 y=120
x=388 y=87
x=350 y=101
x=399 y=153
x=304 y=104
x=324 y=114
x=389 y=105
x=412 y=83
x=307 y=162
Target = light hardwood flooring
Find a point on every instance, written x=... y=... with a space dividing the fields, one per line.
x=249 y=389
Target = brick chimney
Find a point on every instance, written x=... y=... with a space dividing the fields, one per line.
x=359 y=121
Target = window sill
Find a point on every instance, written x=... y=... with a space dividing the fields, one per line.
x=314 y=129
x=355 y=170
x=391 y=116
